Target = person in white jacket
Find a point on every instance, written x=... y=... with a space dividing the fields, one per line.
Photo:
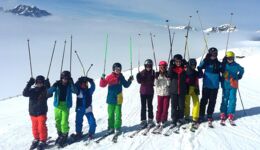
x=162 y=84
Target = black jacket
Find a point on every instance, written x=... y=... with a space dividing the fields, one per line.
x=37 y=100
x=178 y=81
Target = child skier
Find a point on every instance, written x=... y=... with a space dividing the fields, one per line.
x=162 y=84
x=146 y=79
x=211 y=79
x=178 y=89
x=84 y=107
x=192 y=81
x=63 y=90
x=38 y=109
x=115 y=81
x=232 y=72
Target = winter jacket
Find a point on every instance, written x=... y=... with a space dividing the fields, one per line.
x=178 y=80
x=231 y=74
x=37 y=100
x=162 y=85
x=115 y=83
x=70 y=89
x=84 y=96
x=192 y=79
x=146 y=79
x=211 y=76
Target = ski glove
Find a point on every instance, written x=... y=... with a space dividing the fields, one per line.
x=103 y=76
x=47 y=83
x=31 y=82
x=56 y=84
x=131 y=78
x=89 y=109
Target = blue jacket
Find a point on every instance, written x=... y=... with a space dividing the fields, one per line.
x=211 y=75
x=231 y=71
x=84 y=96
x=115 y=83
x=70 y=89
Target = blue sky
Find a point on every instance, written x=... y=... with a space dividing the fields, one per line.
x=90 y=20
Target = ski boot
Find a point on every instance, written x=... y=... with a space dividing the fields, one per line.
x=143 y=124
x=150 y=123
x=231 y=119
x=63 y=140
x=57 y=141
x=210 y=120
x=34 y=144
x=41 y=145
x=222 y=119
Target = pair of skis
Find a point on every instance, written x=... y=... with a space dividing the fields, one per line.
x=114 y=139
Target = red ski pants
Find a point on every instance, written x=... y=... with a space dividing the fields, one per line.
x=162 y=108
x=39 y=128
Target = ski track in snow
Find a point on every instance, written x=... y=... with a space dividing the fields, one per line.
x=15 y=127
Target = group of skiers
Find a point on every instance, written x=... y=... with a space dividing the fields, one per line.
x=175 y=82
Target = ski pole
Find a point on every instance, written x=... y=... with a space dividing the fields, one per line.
x=204 y=37
x=105 y=60
x=70 y=51
x=187 y=36
x=170 y=39
x=230 y=22
x=89 y=69
x=80 y=63
x=63 y=56
x=153 y=51
x=241 y=101
x=30 y=59
x=139 y=53
x=131 y=63
x=170 y=54
x=51 y=59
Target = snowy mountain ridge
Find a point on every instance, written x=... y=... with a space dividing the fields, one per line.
x=29 y=11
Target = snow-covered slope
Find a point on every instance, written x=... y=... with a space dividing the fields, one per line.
x=15 y=127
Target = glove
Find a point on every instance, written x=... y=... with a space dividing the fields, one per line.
x=31 y=82
x=47 y=83
x=56 y=84
x=131 y=78
x=103 y=76
x=239 y=77
x=157 y=75
x=89 y=109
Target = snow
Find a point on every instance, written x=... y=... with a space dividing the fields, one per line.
x=15 y=127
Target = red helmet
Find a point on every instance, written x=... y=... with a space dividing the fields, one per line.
x=163 y=63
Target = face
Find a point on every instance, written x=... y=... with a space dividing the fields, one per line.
x=64 y=80
x=162 y=68
x=177 y=63
x=230 y=59
x=39 y=84
x=214 y=55
x=84 y=85
x=117 y=70
x=148 y=67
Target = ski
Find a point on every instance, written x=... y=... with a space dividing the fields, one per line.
x=103 y=137
x=72 y=138
x=194 y=127
x=115 y=137
x=232 y=123
x=136 y=132
x=222 y=122
x=155 y=130
x=172 y=129
x=147 y=129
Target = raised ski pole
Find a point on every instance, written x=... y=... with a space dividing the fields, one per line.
x=139 y=54
x=241 y=101
x=89 y=69
x=204 y=37
x=187 y=36
x=63 y=56
x=170 y=55
x=170 y=39
x=70 y=51
x=105 y=59
x=131 y=60
x=230 y=22
x=51 y=59
x=80 y=63
x=151 y=35
x=30 y=59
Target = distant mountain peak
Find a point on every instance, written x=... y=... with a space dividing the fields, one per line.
x=221 y=28
x=30 y=11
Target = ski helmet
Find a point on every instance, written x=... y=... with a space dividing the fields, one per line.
x=65 y=75
x=230 y=54
x=163 y=63
x=213 y=51
x=40 y=79
x=116 y=65
x=177 y=57
x=148 y=62
x=192 y=62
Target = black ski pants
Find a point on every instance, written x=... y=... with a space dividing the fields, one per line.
x=146 y=100
x=208 y=96
x=177 y=107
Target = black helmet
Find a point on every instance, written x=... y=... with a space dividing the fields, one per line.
x=117 y=65
x=192 y=62
x=39 y=78
x=82 y=80
x=213 y=50
x=177 y=57
x=148 y=62
x=65 y=74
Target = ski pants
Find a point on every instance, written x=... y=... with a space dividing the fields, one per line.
x=162 y=108
x=177 y=106
x=196 y=104
x=91 y=121
x=39 y=128
x=228 y=104
x=114 y=116
x=208 y=96
x=62 y=117
x=146 y=100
